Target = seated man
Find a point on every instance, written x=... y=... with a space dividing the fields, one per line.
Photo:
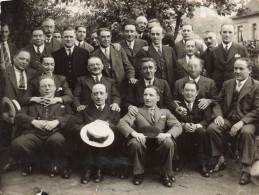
x=135 y=92
x=239 y=99
x=84 y=86
x=169 y=129
x=195 y=122
x=96 y=110
x=44 y=126
x=63 y=93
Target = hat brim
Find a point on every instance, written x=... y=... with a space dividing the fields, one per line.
x=109 y=141
x=10 y=106
x=254 y=171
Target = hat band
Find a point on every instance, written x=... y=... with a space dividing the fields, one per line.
x=99 y=140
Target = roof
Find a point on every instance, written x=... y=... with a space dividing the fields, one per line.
x=253 y=7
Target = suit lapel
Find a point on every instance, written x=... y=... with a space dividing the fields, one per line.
x=140 y=87
x=166 y=53
x=39 y=108
x=153 y=54
x=13 y=79
x=113 y=55
x=145 y=113
x=230 y=90
x=136 y=47
x=232 y=52
x=104 y=59
x=201 y=84
x=89 y=81
x=248 y=86
x=158 y=113
x=126 y=48
x=183 y=62
x=219 y=52
x=53 y=108
x=57 y=81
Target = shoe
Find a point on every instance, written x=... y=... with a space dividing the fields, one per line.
x=124 y=173
x=27 y=170
x=138 y=179
x=204 y=171
x=85 y=178
x=245 y=178
x=177 y=165
x=166 y=180
x=98 y=177
x=219 y=167
x=65 y=173
x=53 y=171
x=172 y=178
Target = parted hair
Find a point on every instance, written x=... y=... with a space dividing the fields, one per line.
x=155 y=88
x=191 y=82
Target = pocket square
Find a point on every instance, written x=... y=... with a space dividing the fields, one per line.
x=163 y=116
x=60 y=89
x=62 y=106
x=237 y=56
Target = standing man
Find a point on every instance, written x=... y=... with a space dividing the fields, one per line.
x=70 y=60
x=94 y=41
x=221 y=60
x=141 y=22
x=168 y=128
x=131 y=45
x=80 y=39
x=37 y=48
x=49 y=28
x=239 y=98
x=57 y=35
x=210 y=40
x=116 y=63
x=164 y=56
x=84 y=85
x=7 y=49
x=187 y=33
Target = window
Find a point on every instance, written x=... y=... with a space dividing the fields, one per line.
x=254 y=31
x=240 y=33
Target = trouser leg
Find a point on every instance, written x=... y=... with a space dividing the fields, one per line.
x=202 y=139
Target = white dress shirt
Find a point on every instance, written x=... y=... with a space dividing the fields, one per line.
x=71 y=49
x=18 y=77
x=130 y=44
x=108 y=49
x=240 y=84
x=99 y=77
x=41 y=48
x=149 y=82
x=229 y=45
x=102 y=106
x=196 y=80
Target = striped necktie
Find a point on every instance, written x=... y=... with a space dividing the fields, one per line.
x=6 y=56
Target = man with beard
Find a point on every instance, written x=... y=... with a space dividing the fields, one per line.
x=80 y=39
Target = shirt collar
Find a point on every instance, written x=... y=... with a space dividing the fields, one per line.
x=99 y=76
x=17 y=70
x=48 y=38
x=229 y=45
x=130 y=43
x=40 y=47
x=102 y=106
x=76 y=42
x=242 y=82
x=157 y=46
x=71 y=48
x=103 y=49
x=196 y=80
x=147 y=81
x=188 y=103
x=5 y=43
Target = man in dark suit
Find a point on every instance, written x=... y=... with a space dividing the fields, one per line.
x=84 y=85
x=210 y=40
x=57 y=35
x=7 y=49
x=43 y=129
x=131 y=45
x=169 y=129
x=164 y=56
x=49 y=28
x=222 y=58
x=97 y=110
x=187 y=33
x=63 y=93
x=17 y=77
x=80 y=39
x=116 y=63
x=135 y=92
x=71 y=60
x=195 y=122
x=37 y=48
x=239 y=99
x=94 y=41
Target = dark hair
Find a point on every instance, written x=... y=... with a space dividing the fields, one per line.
x=4 y=24
x=45 y=77
x=45 y=56
x=147 y=59
x=191 y=82
x=77 y=27
x=103 y=29
x=187 y=24
x=94 y=31
x=22 y=50
x=68 y=28
x=154 y=20
x=247 y=60
x=190 y=40
x=37 y=28
x=155 y=88
x=129 y=22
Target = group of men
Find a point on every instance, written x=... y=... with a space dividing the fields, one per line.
x=163 y=99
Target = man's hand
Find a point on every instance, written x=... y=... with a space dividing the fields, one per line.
x=139 y=136
x=189 y=127
x=51 y=125
x=219 y=121
x=80 y=108
x=115 y=107
x=38 y=100
x=236 y=127
x=133 y=110
x=181 y=110
x=51 y=101
x=161 y=136
x=133 y=81
x=39 y=124
x=204 y=103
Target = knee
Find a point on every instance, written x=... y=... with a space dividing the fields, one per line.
x=211 y=128
x=202 y=131
x=246 y=131
x=168 y=144
x=56 y=139
x=135 y=145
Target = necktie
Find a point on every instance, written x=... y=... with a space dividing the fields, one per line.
x=97 y=80
x=238 y=86
x=100 y=109
x=189 y=105
x=79 y=44
x=152 y=115
x=21 y=82
x=226 y=48
x=69 y=53
x=6 y=57
x=159 y=51
x=107 y=53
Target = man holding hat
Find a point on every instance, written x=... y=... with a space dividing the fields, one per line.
x=165 y=129
x=93 y=130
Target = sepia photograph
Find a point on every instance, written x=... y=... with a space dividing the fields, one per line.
x=129 y=97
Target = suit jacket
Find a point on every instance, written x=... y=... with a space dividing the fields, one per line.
x=120 y=65
x=205 y=56
x=31 y=112
x=62 y=90
x=135 y=94
x=184 y=65
x=35 y=58
x=174 y=71
x=54 y=44
x=179 y=49
x=12 y=51
x=10 y=88
x=138 y=44
x=196 y=115
x=248 y=100
x=83 y=90
x=79 y=64
x=220 y=71
x=164 y=120
x=90 y=114
x=87 y=47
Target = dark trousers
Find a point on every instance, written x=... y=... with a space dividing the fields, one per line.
x=200 y=138
x=164 y=150
x=23 y=147
x=246 y=140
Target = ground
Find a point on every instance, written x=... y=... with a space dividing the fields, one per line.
x=188 y=181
